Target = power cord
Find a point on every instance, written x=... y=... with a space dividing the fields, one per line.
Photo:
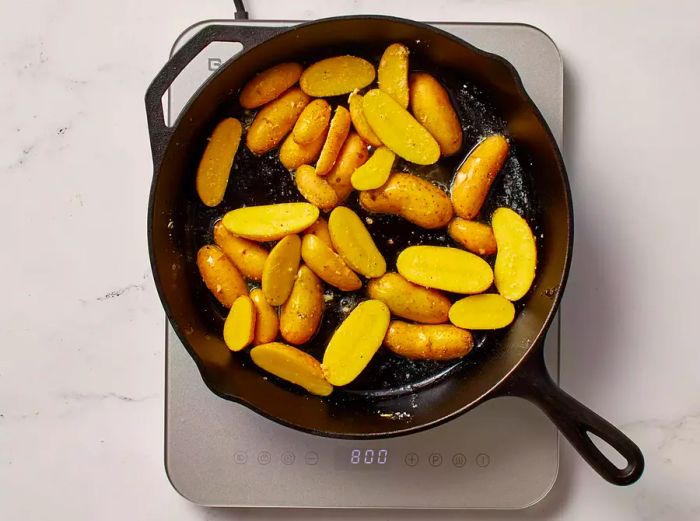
x=241 y=13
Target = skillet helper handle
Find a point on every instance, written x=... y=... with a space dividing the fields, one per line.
x=532 y=382
x=159 y=132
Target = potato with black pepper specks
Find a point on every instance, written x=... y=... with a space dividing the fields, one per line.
x=269 y=84
x=315 y=189
x=312 y=122
x=337 y=75
x=392 y=73
x=293 y=155
x=428 y=342
x=431 y=106
x=301 y=314
x=248 y=256
x=337 y=134
x=352 y=155
x=320 y=230
x=215 y=167
x=275 y=120
x=474 y=236
x=220 y=276
x=413 y=198
x=328 y=265
x=408 y=300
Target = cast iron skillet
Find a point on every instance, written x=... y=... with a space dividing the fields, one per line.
x=403 y=397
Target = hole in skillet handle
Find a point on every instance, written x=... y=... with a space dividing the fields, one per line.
x=575 y=421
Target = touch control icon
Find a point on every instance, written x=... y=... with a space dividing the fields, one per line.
x=240 y=458
x=288 y=457
x=435 y=459
x=483 y=460
x=411 y=459
x=311 y=458
x=459 y=460
x=264 y=457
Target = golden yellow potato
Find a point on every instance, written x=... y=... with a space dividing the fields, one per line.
x=269 y=84
x=270 y=222
x=293 y=365
x=398 y=130
x=408 y=300
x=352 y=155
x=312 y=122
x=359 y=121
x=327 y=264
x=320 y=230
x=220 y=276
x=315 y=189
x=293 y=155
x=354 y=244
x=337 y=133
x=302 y=312
x=449 y=269
x=428 y=342
x=280 y=270
x=248 y=256
x=392 y=73
x=431 y=106
x=336 y=76
x=474 y=236
x=355 y=342
x=413 y=198
x=516 y=259
x=217 y=160
x=266 y=321
x=486 y=311
x=474 y=177
x=275 y=120
x=375 y=171
x=239 y=328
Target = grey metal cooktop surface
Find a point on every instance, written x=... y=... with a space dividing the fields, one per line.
x=503 y=454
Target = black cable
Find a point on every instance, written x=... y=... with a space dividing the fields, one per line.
x=241 y=13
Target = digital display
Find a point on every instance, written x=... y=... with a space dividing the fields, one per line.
x=370 y=458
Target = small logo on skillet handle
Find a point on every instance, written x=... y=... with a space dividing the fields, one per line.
x=213 y=63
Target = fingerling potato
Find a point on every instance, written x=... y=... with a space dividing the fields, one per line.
x=269 y=84
x=428 y=342
x=354 y=243
x=474 y=236
x=448 y=269
x=215 y=167
x=327 y=264
x=293 y=155
x=375 y=171
x=352 y=155
x=275 y=120
x=315 y=189
x=248 y=256
x=320 y=230
x=293 y=365
x=408 y=300
x=239 y=328
x=335 y=76
x=301 y=314
x=486 y=311
x=398 y=130
x=516 y=259
x=431 y=106
x=266 y=321
x=355 y=342
x=392 y=73
x=220 y=276
x=312 y=122
x=270 y=222
x=474 y=177
x=337 y=133
x=413 y=198
x=280 y=270
x=359 y=121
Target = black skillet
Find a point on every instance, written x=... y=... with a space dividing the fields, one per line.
x=394 y=396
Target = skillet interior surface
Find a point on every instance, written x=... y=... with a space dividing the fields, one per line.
x=408 y=395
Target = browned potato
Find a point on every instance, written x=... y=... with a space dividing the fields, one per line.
x=337 y=133
x=473 y=180
x=408 y=300
x=312 y=122
x=327 y=264
x=392 y=73
x=315 y=189
x=320 y=230
x=280 y=270
x=293 y=365
x=293 y=155
x=336 y=76
x=428 y=342
x=413 y=198
x=239 y=328
x=266 y=321
x=354 y=244
x=352 y=155
x=269 y=84
x=359 y=121
x=248 y=256
x=302 y=312
x=476 y=237
x=220 y=275
x=275 y=120
x=215 y=166
x=431 y=105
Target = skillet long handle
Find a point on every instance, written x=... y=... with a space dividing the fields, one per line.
x=159 y=132
x=575 y=421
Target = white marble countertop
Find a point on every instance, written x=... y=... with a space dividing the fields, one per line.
x=81 y=328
